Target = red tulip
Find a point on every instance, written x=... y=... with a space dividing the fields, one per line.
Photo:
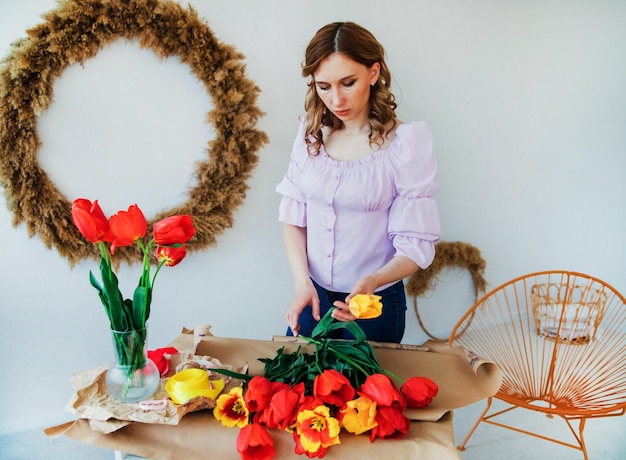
x=159 y=358
x=171 y=255
x=391 y=424
x=309 y=402
x=333 y=388
x=174 y=230
x=90 y=220
x=282 y=409
x=380 y=389
x=258 y=394
x=127 y=227
x=255 y=443
x=419 y=391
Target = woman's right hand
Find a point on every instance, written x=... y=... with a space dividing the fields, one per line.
x=306 y=294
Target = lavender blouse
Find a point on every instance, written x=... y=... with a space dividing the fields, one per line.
x=360 y=214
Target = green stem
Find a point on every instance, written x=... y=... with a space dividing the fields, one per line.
x=145 y=269
x=104 y=252
x=339 y=354
x=129 y=347
x=392 y=375
x=156 y=272
x=145 y=283
x=357 y=363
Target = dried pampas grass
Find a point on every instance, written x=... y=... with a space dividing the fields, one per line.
x=74 y=32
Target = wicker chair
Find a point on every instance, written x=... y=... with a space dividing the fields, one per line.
x=560 y=339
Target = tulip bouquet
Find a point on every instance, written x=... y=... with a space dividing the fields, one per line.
x=126 y=228
x=314 y=396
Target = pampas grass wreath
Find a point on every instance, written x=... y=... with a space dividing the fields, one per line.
x=74 y=32
x=448 y=254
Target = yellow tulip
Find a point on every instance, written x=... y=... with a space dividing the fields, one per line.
x=366 y=306
x=359 y=415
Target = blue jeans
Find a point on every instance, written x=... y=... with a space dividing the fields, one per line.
x=389 y=327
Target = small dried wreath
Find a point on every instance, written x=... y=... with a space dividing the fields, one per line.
x=74 y=32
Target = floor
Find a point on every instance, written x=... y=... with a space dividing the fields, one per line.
x=605 y=438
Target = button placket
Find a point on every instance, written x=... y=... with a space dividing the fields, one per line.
x=331 y=217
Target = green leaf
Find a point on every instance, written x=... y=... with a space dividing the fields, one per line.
x=127 y=315
x=321 y=330
x=233 y=374
x=110 y=288
x=103 y=298
x=141 y=305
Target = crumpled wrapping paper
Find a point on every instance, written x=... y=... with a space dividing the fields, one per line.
x=106 y=414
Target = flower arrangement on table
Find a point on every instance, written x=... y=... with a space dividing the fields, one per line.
x=128 y=317
x=314 y=396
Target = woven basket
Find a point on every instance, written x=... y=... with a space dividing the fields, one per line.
x=569 y=314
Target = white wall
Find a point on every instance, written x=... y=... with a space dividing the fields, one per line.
x=528 y=107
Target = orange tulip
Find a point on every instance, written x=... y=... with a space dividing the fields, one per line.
x=170 y=255
x=419 y=391
x=127 y=227
x=255 y=443
x=174 y=230
x=90 y=220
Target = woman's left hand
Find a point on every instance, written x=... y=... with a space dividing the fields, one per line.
x=342 y=312
x=366 y=285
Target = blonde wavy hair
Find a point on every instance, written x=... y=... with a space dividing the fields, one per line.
x=361 y=46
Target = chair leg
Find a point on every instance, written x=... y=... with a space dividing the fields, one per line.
x=461 y=447
x=580 y=436
x=581 y=439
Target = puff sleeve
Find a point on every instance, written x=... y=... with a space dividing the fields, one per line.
x=292 y=208
x=413 y=216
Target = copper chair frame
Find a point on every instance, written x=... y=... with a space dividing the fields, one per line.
x=560 y=339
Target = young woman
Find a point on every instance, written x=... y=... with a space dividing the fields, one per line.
x=358 y=205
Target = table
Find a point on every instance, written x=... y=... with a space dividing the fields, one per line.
x=462 y=380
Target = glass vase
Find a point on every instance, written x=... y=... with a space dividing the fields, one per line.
x=133 y=377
